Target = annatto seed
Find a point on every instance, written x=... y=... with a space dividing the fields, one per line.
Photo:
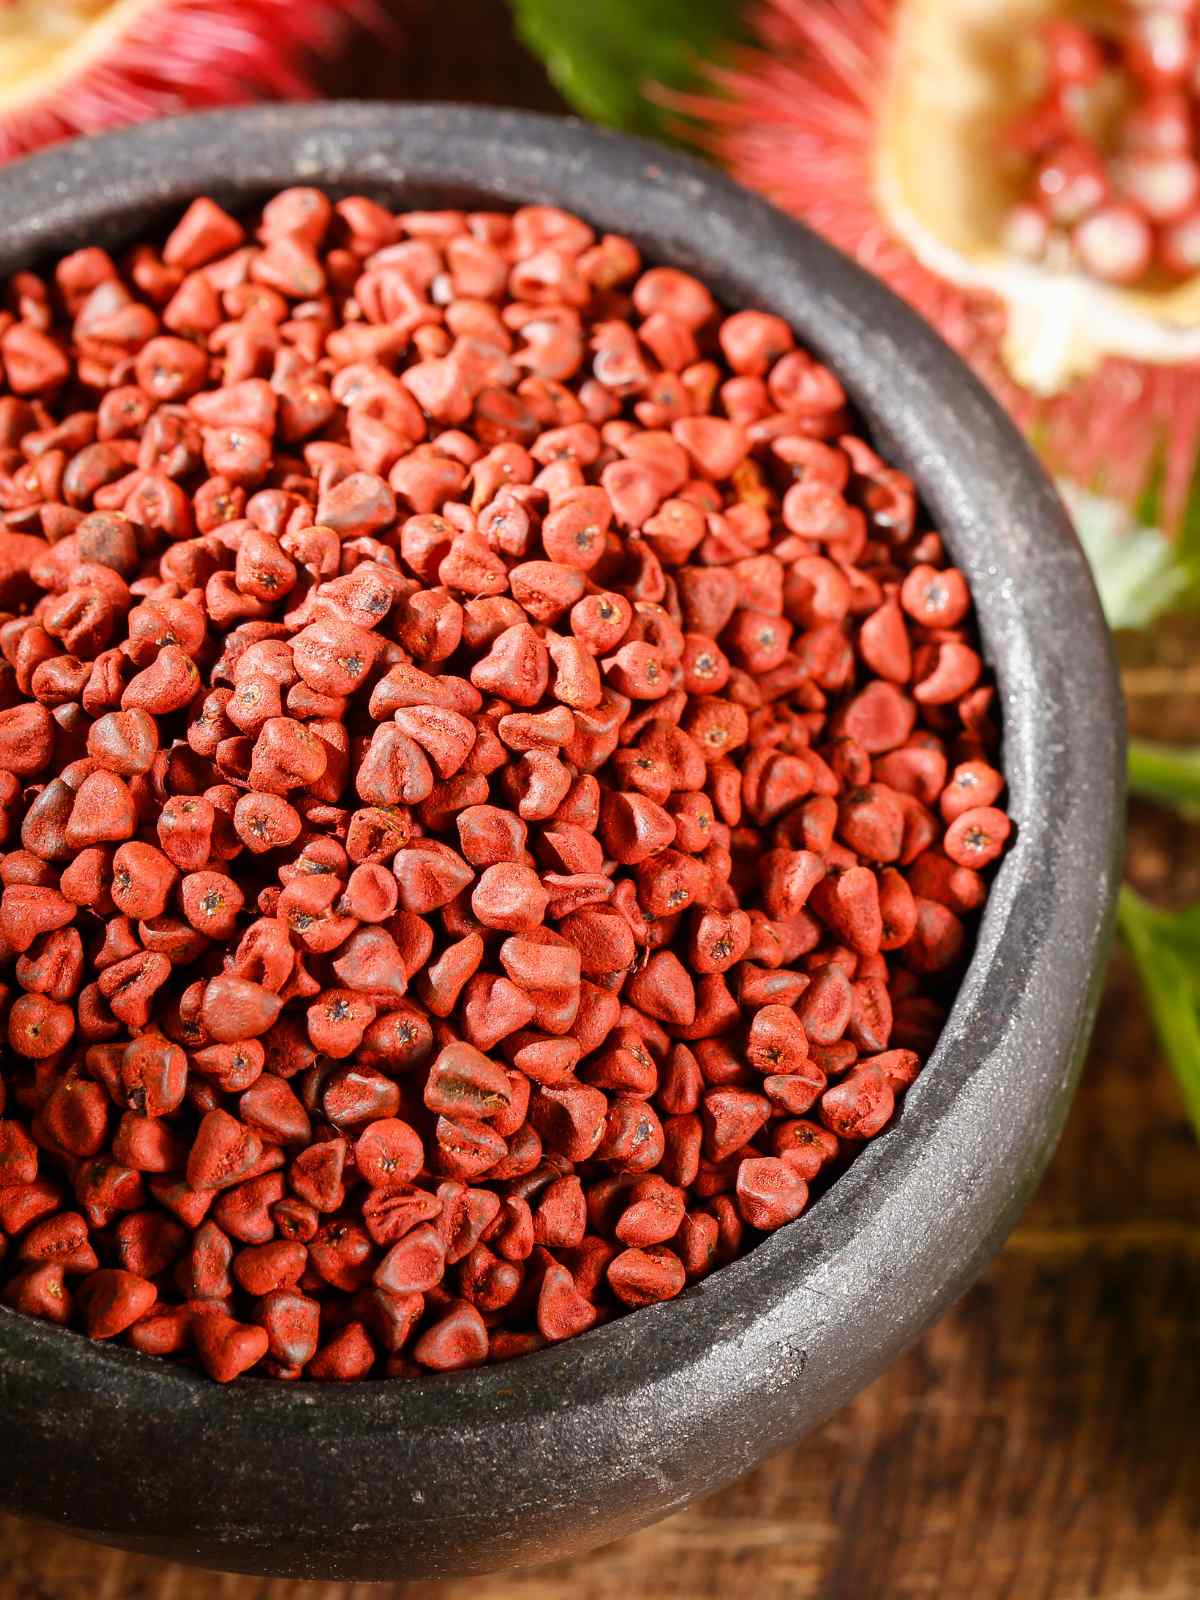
x=494 y=796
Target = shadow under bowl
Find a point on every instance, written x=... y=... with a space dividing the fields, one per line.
x=579 y=1443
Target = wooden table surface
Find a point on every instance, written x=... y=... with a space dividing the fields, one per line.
x=1043 y=1441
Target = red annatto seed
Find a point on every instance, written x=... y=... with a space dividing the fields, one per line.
x=340 y=1254
x=653 y=1215
x=226 y=1348
x=224 y=1152
x=348 y=1355
x=388 y=1153
x=1115 y=243
x=40 y=1291
x=1027 y=230
x=936 y=598
x=456 y=1341
x=272 y=1109
x=124 y=742
x=776 y=1042
x=415 y=1263
x=805 y=1146
x=111 y=1300
x=148 y=1243
x=244 y=1210
x=161 y=1331
x=562 y=1311
x=355 y=1095
x=937 y=939
x=977 y=837
x=488 y=799
x=39 y=1028
x=644 y=1277
x=291 y=1322
x=63 y=1239
x=861 y=1105
x=826 y=1005
x=153 y=1075
x=732 y=1117
x=22 y=1204
x=972 y=784
x=235 y=1008
x=769 y=1193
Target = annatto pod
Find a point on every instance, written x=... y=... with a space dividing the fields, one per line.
x=71 y=66
x=1038 y=187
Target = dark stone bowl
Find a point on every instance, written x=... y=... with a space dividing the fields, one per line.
x=580 y=1443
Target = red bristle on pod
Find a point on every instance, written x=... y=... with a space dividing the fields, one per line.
x=171 y=56
x=796 y=116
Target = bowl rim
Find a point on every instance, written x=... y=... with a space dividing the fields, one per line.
x=893 y=1241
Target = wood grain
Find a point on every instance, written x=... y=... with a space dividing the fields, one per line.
x=1040 y=1443
x=1043 y=1441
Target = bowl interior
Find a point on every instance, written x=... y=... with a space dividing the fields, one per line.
x=620 y=1425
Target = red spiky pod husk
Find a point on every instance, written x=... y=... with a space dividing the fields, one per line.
x=797 y=115
x=135 y=59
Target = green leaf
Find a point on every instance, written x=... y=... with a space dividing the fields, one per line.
x=1149 y=506
x=604 y=54
x=1165 y=947
x=1168 y=774
x=1139 y=572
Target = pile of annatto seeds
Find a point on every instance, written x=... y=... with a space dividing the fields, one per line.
x=1113 y=146
x=495 y=780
